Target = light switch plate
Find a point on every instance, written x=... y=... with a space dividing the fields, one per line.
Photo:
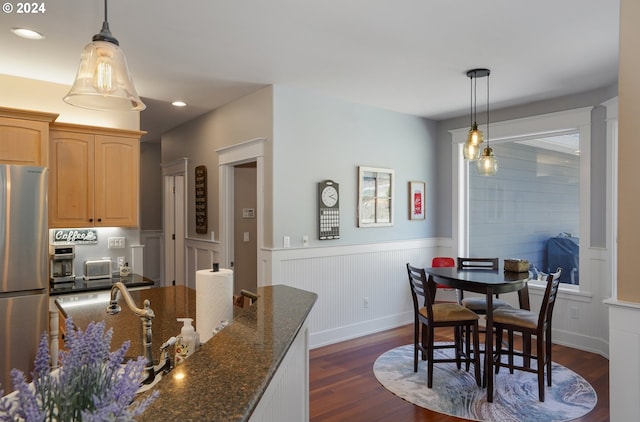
x=116 y=242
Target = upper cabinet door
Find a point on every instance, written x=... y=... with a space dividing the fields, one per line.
x=117 y=175
x=95 y=177
x=23 y=142
x=71 y=179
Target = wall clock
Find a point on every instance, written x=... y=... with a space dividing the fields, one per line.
x=328 y=210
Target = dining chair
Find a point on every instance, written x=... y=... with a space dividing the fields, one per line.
x=528 y=323
x=429 y=315
x=479 y=304
x=443 y=261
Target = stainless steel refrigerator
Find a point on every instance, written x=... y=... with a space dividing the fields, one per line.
x=24 y=287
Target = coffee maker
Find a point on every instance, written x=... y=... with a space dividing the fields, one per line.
x=61 y=258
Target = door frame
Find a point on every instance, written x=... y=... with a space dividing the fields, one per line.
x=172 y=169
x=228 y=158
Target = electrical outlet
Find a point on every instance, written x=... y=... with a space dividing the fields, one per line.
x=573 y=312
x=305 y=241
x=120 y=261
x=365 y=302
x=286 y=242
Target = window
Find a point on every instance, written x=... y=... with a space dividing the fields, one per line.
x=531 y=208
x=375 y=197
x=502 y=201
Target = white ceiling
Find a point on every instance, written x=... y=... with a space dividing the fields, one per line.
x=410 y=56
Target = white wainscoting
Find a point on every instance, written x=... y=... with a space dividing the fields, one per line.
x=343 y=276
x=152 y=240
x=624 y=365
x=287 y=396
x=201 y=254
x=580 y=318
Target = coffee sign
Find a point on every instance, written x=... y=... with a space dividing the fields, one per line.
x=78 y=236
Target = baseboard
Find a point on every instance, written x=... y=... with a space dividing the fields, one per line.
x=581 y=342
x=325 y=338
x=349 y=332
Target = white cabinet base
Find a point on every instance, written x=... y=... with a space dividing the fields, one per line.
x=287 y=396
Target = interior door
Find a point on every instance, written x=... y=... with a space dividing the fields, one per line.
x=179 y=230
x=245 y=228
x=169 y=232
x=174 y=230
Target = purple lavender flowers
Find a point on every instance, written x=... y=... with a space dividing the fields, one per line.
x=91 y=385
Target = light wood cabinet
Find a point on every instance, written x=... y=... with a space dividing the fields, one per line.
x=94 y=176
x=24 y=137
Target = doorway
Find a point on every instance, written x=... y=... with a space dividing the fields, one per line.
x=230 y=158
x=174 y=203
x=245 y=228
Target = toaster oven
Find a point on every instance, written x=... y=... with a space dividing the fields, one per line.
x=97 y=269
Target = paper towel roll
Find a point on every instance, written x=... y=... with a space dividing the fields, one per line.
x=214 y=300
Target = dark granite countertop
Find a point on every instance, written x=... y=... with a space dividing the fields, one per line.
x=81 y=285
x=225 y=379
x=168 y=304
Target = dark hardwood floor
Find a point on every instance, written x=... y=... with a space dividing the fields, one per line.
x=343 y=387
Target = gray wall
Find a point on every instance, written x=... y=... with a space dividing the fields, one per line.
x=598 y=152
x=318 y=138
x=247 y=118
x=150 y=186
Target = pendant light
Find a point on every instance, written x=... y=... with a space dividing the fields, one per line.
x=103 y=81
x=471 y=150
x=487 y=165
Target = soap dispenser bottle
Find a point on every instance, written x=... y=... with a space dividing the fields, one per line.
x=186 y=341
x=125 y=270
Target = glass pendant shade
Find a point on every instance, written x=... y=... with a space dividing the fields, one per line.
x=470 y=151
x=487 y=165
x=475 y=137
x=103 y=81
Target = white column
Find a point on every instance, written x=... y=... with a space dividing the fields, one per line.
x=624 y=365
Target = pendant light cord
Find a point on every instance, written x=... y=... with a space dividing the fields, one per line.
x=475 y=97
x=105 y=11
x=471 y=101
x=488 y=110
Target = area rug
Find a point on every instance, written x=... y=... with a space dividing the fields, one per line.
x=455 y=392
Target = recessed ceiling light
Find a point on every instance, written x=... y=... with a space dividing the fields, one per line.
x=179 y=104
x=29 y=34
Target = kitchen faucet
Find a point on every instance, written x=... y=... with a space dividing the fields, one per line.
x=146 y=315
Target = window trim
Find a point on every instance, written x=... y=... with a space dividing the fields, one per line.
x=578 y=120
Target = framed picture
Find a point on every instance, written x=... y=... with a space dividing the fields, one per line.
x=201 y=199
x=375 y=197
x=416 y=200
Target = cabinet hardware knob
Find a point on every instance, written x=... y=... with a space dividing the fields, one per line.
x=91 y=220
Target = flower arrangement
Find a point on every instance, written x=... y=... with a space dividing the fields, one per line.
x=91 y=385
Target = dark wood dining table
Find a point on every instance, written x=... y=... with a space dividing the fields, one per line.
x=489 y=283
